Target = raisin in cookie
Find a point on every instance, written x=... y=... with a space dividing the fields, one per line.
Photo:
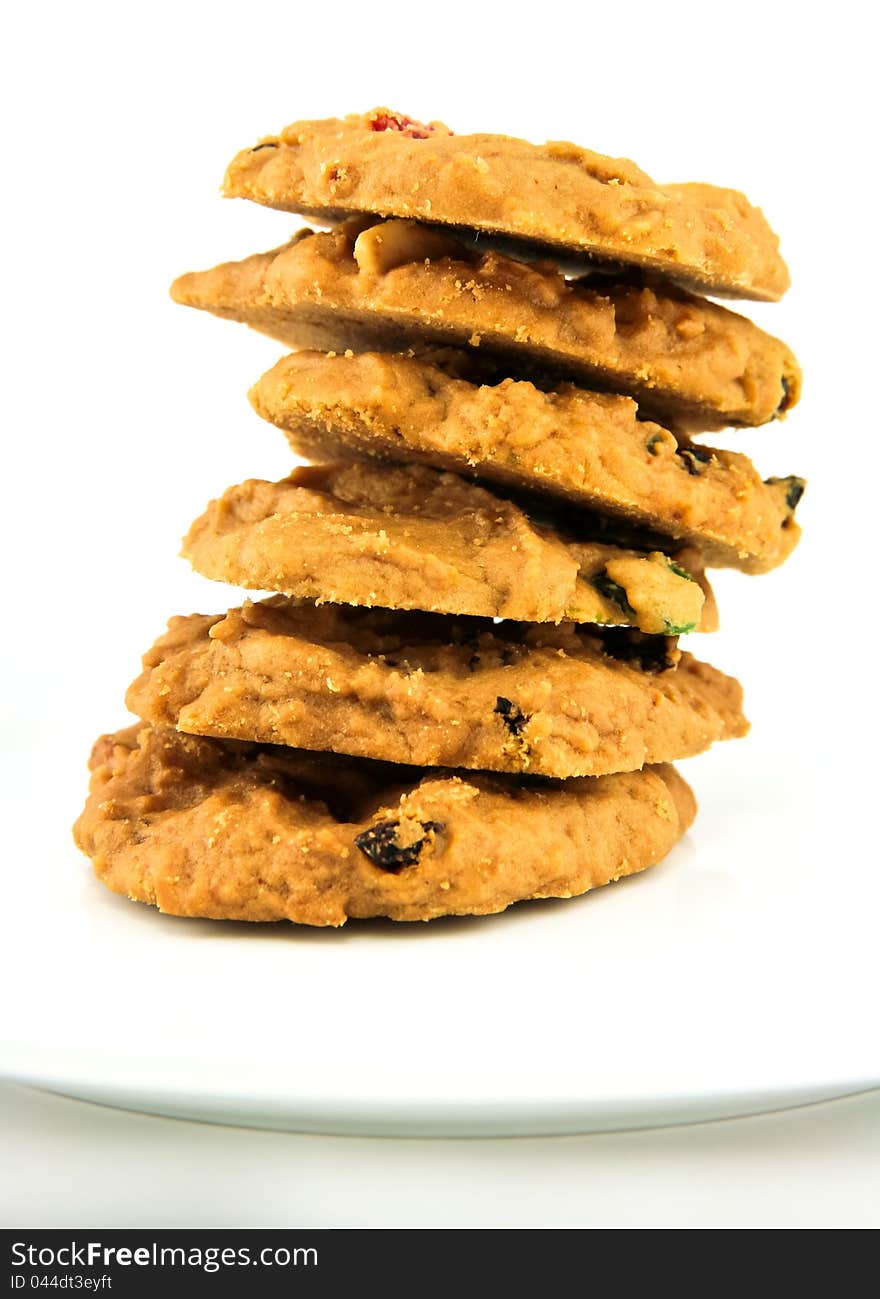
x=229 y=831
x=558 y=196
x=410 y=537
x=427 y=689
x=589 y=448
x=393 y=286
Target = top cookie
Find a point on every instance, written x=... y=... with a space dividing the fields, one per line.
x=557 y=196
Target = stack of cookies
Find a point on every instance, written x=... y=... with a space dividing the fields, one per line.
x=465 y=687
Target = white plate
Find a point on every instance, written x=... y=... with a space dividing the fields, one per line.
x=739 y=976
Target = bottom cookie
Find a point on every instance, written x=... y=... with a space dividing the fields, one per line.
x=237 y=831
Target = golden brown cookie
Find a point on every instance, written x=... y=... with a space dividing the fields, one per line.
x=410 y=537
x=558 y=196
x=390 y=287
x=430 y=690
x=230 y=831
x=589 y=448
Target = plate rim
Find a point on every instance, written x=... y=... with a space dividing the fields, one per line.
x=435 y=1116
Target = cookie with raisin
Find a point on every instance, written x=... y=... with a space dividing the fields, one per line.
x=411 y=537
x=587 y=449
x=434 y=690
x=200 y=827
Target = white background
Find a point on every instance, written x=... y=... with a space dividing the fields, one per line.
x=123 y=414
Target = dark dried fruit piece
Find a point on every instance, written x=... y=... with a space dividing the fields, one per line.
x=651 y=653
x=512 y=715
x=795 y=489
x=614 y=592
x=795 y=492
x=695 y=458
x=786 y=393
x=381 y=844
x=654 y=442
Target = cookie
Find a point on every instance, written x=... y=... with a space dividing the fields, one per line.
x=589 y=448
x=425 y=689
x=410 y=537
x=393 y=286
x=558 y=196
x=228 y=831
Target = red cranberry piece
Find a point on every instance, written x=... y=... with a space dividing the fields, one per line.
x=398 y=122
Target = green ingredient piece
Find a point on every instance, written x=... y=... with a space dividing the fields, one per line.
x=614 y=592
x=679 y=571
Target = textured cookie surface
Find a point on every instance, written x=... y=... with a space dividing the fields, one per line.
x=556 y=194
x=391 y=286
x=589 y=448
x=199 y=827
x=409 y=537
x=430 y=690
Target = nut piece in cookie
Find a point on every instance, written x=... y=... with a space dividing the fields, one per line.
x=683 y=358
